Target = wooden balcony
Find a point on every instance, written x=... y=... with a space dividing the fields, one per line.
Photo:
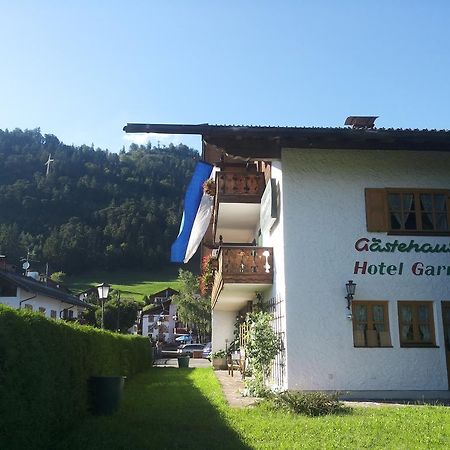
x=246 y=265
x=239 y=187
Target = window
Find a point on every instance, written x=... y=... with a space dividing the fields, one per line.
x=42 y=310
x=371 y=324
x=416 y=324
x=67 y=314
x=28 y=306
x=53 y=314
x=408 y=211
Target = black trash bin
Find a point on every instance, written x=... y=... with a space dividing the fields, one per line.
x=105 y=394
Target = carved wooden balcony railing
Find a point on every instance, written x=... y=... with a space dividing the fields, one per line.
x=242 y=264
x=239 y=187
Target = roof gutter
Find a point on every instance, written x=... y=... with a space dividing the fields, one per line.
x=165 y=128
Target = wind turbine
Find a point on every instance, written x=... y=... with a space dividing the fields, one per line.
x=49 y=161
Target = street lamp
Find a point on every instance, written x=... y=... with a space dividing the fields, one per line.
x=103 y=291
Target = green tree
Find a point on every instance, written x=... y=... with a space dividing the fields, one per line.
x=193 y=309
x=120 y=314
x=262 y=346
x=58 y=277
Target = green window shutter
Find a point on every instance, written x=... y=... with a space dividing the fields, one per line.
x=376 y=210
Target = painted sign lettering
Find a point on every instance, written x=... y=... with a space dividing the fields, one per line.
x=377 y=245
x=418 y=268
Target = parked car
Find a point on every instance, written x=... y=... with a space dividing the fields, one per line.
x=207 y=349
x=187 y=349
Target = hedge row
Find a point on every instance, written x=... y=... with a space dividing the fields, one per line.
x=44 y=369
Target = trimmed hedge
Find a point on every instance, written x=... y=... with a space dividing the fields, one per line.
x=44 y=369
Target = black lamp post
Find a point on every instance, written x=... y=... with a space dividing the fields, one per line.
x=103 y=292
x=118 y=311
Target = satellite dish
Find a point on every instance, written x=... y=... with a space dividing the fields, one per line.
x=26 y=265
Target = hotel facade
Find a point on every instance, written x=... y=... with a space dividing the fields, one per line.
x=300 y=216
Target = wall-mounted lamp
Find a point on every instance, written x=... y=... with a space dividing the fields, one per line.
x=350 y=286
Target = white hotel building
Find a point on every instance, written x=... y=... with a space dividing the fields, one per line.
x=299 y=212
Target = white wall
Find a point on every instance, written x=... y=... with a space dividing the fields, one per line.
x=324 y=214
x=145 y=324
x=275 y=238
x=222 y=328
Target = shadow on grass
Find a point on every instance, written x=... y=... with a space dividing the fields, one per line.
x=161 y=409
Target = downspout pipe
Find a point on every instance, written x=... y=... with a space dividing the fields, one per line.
x=26 y=299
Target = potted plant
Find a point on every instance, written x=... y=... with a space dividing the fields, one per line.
x=219 y=360
x=206 y=279
x=209 y=187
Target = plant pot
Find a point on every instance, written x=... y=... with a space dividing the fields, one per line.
x=183 y=361
x=105 y=394
x=219 y=363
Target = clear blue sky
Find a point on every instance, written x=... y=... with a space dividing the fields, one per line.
x=82 y=69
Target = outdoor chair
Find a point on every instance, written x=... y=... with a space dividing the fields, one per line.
x=235 y=361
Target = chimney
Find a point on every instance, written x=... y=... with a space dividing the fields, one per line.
x=5 y=266
x=361 y=122
x=34 y=275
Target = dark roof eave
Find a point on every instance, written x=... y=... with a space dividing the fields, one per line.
x=267 y=142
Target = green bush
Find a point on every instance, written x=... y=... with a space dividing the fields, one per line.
x=308 y=403
x=219 y=354
x=44 y=369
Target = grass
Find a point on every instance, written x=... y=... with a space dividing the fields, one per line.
x=185 y=409
x=132 y=283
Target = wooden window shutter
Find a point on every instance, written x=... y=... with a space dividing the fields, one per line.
x=376 y=210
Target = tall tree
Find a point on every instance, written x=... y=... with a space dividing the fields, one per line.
x=192 y=308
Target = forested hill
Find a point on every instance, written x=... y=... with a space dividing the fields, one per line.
x=95 y=209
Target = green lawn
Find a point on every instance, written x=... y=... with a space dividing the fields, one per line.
x=131 y=283
x=185 y=409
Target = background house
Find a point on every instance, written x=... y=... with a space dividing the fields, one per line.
x=159 y=318
x=28 y=292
